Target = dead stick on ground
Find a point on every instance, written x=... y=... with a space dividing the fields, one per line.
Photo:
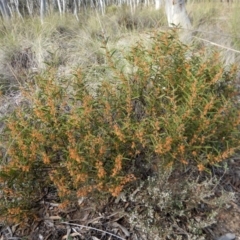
x=99 y=230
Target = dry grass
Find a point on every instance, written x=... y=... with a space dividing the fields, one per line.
x=218 y=23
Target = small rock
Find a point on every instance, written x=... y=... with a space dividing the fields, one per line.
x=228 y=236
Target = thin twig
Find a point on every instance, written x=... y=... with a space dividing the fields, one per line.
x=218 y=45
x=99 y=230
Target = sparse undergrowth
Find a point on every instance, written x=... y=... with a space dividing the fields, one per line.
x=165 y=208
x=169 y=107
x=62 y=41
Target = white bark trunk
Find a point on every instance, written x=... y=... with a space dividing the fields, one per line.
x=177 y=14
x=63 y=6
x=4 y=9
x=30 y=7
x=17 y=8
x=158 y=4
x=75 y=9
x=59 y=7
x=43 y=8
x=102 y=6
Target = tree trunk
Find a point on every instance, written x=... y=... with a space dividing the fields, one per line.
x=102 y=6
x=43 y=8
x=59 y=7
x=75 y=9
x=30 y=7
x=158 y=4
x=63 y=6
x=17 y=8
x=4 y=9
x=177 y=14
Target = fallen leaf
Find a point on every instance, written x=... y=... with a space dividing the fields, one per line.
x=54 y=218
x=125 y=231
x=95 y=238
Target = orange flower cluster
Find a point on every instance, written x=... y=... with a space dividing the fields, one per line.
x=207 y=107
x=181 y=149
x=162 y=148
x=45 y=158
x=100 y=169
x=116 y=190
x=40 y=114
x=37 y=135
x=80 y=178
x=73 y=154
x=118 y=165
x=201 y=167
x=118 y=133
x=25 y=168
x=84 y=191
x=140 y=136
x=14 y=210
x=51 y=105
x=71 y=138
x=64 y=205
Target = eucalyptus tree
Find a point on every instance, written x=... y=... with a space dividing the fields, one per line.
x=102 y=6
x=63 y=6
x=59 y=6
x=29 y=5
x=158 y=4
x=175 y=9
x=43 y=8
x=4 y=9
x=75 y=9
x=177 y=14
x=16 y=5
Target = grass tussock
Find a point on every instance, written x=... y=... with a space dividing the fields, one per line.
x=173 y=107
x=64 y=42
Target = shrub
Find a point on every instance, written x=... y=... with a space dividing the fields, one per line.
x=170 y=207
x=171 y=106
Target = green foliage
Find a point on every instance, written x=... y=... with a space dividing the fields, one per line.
x=171 y=106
